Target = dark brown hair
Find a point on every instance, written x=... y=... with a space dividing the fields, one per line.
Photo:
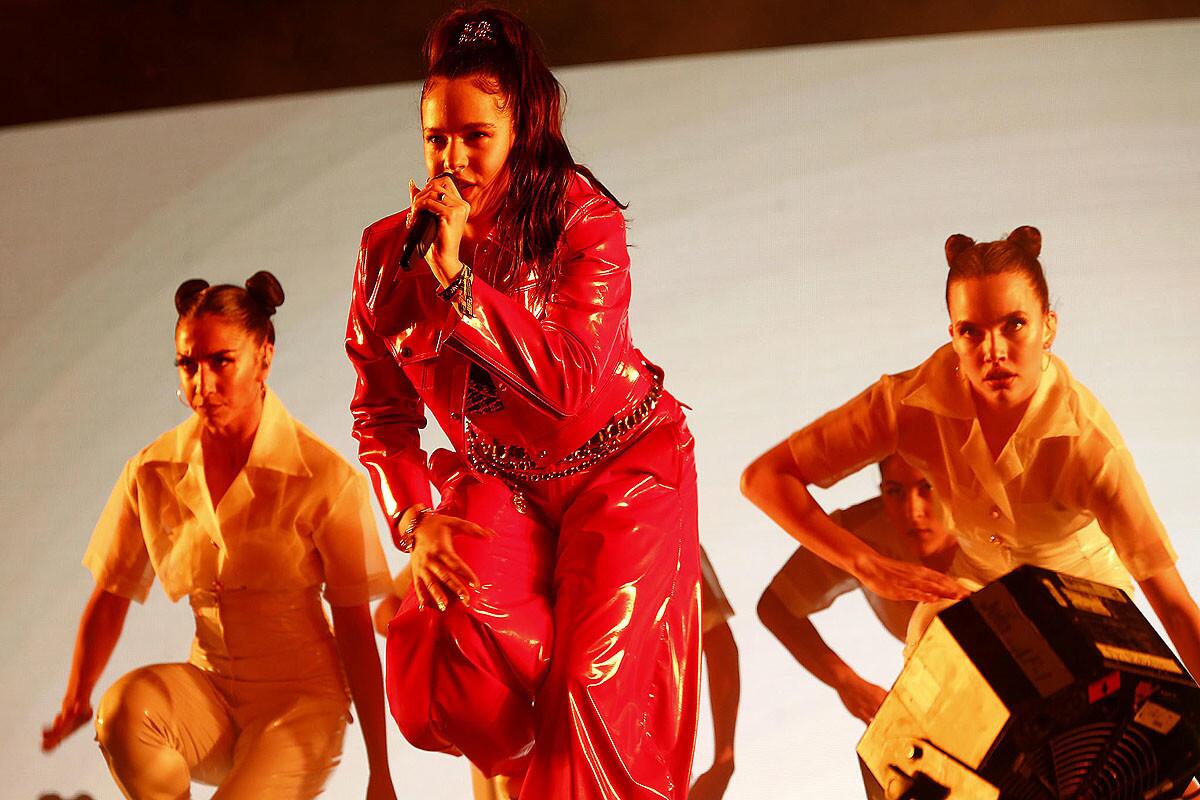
x=1018 y=253
x=497 y=47
x=250 y=307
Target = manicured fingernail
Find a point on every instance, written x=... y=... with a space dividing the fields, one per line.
x=441 y=606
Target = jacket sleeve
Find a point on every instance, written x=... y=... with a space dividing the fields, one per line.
x=387 y=411
x=559 y=360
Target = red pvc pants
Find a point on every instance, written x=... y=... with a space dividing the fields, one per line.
x=577 y=663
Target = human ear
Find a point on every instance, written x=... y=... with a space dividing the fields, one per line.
x=1049 y=330
x=266 y=354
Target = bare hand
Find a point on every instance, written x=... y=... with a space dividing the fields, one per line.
x=440 y=197
x=862 y=698
x=901 y=580
x=73 y=715
x=713 y=783
x=438 y=573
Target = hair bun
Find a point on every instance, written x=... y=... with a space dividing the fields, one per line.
x=187 y=293
x=265 y=288
x=1028 y=238
x=955 y=246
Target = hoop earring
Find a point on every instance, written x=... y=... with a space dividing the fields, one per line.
x=1045 y=359
x=182 y=400
x=262 y=389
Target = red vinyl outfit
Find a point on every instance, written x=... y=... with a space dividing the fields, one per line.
x=577 y=662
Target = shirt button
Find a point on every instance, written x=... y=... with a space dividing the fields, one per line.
x=405 y=352
x=994 y=539
x=454 y=415
x=994 y=513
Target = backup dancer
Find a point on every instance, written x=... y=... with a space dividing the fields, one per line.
x=246 y=513
x=1030 y=466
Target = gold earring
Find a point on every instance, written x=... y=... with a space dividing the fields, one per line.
x=182 y=400
x=1045 y=358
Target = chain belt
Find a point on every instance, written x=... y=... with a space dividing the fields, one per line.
x=513 y=463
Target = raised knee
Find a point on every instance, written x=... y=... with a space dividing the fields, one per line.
x=127 y=705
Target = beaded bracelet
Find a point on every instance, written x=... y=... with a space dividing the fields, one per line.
x=406 y=540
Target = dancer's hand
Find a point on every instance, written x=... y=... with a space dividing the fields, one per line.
x=438 y=573
x=73 y=715
x=901 y=580
x=379 y=787
x=713 y=783
x=440 y=197
x=862 y=698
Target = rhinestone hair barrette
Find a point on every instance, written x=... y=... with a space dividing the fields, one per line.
x=477 y=32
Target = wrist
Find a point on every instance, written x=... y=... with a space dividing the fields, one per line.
x=407 y=525
x=458 y=290
x=862 y=563
x=79 y=694
x=844 y=678
x=448 y=275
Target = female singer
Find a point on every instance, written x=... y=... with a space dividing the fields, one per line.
x=1028 y=462
x=563 y=651
x=245 y=511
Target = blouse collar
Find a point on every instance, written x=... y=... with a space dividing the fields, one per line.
x=939 y=387
x=276 y=442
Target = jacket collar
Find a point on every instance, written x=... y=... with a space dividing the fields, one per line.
x=276 y=442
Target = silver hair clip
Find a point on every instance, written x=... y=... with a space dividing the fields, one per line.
x=477 y=32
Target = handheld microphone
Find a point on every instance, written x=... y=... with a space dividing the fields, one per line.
x=421 y=233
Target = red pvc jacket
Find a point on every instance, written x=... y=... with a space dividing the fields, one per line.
x=563 y=368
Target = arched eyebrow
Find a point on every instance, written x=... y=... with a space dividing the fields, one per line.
x=1008 y=317
x=964 y=323
x=466 y=126
x=227 y=352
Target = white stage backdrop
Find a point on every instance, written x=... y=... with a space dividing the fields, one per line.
x=788 y=212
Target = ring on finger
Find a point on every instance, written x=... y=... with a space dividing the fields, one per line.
x=435 y=596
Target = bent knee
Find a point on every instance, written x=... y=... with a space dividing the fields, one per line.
x=125 y=708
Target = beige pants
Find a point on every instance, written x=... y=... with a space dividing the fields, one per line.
x=259 y=711
x=163 y=726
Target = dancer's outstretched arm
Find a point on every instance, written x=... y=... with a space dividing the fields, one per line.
x=774 y=484
x=356 y=643
x=798 y=634
x=99 y=629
